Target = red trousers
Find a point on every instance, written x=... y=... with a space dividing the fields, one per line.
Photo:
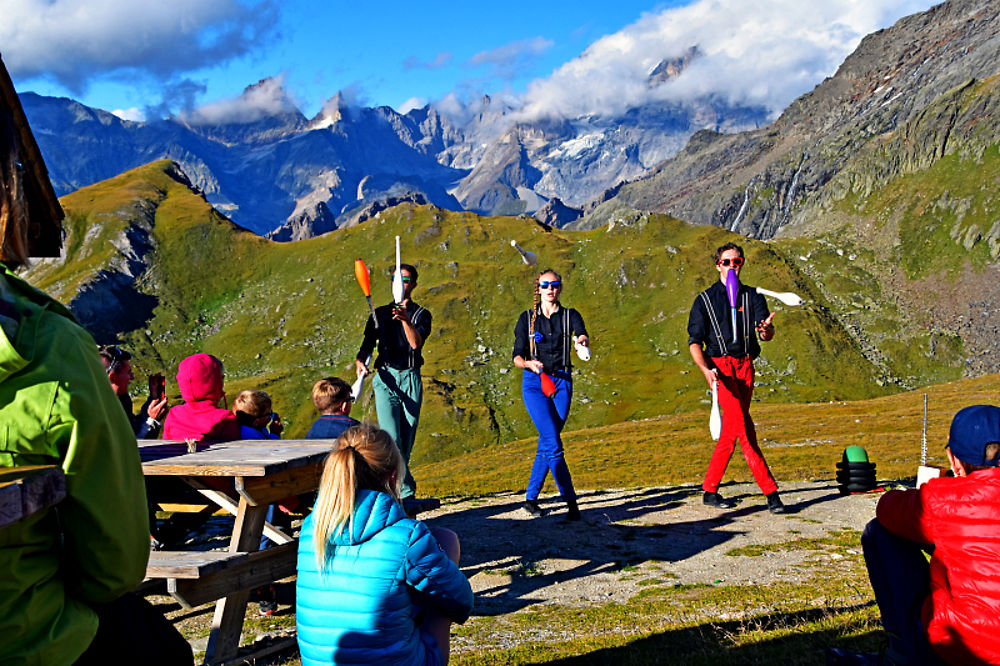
x=735 y=391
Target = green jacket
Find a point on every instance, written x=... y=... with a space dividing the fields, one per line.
x=57 y=407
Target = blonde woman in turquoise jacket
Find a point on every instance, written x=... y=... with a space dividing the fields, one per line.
x=373 y=586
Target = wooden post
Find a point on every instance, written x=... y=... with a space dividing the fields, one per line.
x=227 y=623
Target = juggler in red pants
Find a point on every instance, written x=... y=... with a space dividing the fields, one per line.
x=735 y=391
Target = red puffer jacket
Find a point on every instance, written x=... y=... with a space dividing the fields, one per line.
x=960 y=516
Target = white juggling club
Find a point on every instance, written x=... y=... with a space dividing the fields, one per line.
x=529 y=258
x=786 y=297
x=359 y=383
x=397 y=278
x=715 y=420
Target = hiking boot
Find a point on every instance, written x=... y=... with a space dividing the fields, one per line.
x=774 y=504
x=716 y=500
x=574 y=511
x=531 y=506
x=839 y=657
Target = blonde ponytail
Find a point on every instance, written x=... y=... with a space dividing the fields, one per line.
x=363 y=458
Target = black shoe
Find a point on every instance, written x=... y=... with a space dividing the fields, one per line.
x=267 y=599
x=716 y=500
x=774 y=504
x=839 y=657
x=574 y=511
x=531 y=506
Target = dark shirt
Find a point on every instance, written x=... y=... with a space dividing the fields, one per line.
x=550 y=345
x=751 y=309
x=330 y=426
x=393 y=348
x=140 y=426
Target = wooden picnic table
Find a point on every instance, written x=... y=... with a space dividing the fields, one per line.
x=25 y=491
x=263 y=471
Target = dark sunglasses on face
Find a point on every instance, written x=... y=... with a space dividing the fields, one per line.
x=118 y=356
x=736 y=262
x=555 y=284
x=406 y=280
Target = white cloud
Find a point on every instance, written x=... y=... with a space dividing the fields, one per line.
x=412 y=103
x=75 y=41
x=508 y=60
x=134 y=114
x=440 y=60
x=754 y=52
x=262 y=100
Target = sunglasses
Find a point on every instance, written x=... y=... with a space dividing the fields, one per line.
x=555 y=284
x=118 y=356
x=406 y=280
x=736 y=262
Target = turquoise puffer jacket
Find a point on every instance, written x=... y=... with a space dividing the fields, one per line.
x=363 y=609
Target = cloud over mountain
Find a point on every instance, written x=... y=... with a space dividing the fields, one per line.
x=261 y=100
x=757 y=53
x=74 y=42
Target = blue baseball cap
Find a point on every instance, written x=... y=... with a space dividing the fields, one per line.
x=971 y=430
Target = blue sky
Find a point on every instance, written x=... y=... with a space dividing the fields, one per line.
x=144 y=58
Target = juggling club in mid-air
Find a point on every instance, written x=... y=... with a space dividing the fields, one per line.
x=529 y=258
x=361 y=273
x=732 y=290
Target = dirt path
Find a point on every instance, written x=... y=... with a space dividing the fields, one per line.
x=662 y=534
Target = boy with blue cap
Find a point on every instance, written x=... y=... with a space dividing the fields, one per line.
x=946 y=610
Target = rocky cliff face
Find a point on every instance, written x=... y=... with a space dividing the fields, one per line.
x=899 y=102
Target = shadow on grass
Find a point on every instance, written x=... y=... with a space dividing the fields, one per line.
x=614 y=537
x=716 y=643
x=788 y=497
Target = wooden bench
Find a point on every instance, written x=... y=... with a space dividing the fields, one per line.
x=28 y=490
x=195 y=578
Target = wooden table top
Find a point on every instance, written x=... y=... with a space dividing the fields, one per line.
x=245 y=457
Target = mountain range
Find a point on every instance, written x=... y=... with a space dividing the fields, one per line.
x=280 y=174
x=905 y=98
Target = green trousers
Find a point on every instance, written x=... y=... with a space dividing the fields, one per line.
x=398 y=395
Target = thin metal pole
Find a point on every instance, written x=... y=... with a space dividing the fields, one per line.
x=923 y=438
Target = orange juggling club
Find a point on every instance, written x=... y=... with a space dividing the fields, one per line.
x=361 y=273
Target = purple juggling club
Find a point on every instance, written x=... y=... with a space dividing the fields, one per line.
x=732 y=289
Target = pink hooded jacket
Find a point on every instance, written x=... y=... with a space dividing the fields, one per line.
x=199 y=378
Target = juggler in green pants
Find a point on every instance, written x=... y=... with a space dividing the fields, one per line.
x=398 y=395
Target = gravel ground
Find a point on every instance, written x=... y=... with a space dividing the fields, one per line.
x=515 y=561
x=627 y=540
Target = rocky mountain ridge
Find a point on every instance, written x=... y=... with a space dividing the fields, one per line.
x=277 y=172
x=837 y=139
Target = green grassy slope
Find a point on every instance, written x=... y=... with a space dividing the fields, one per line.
x=800 y=442
x=282 y=315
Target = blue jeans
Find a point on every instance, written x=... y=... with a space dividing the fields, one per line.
x=549 y=416
x=901 y=581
